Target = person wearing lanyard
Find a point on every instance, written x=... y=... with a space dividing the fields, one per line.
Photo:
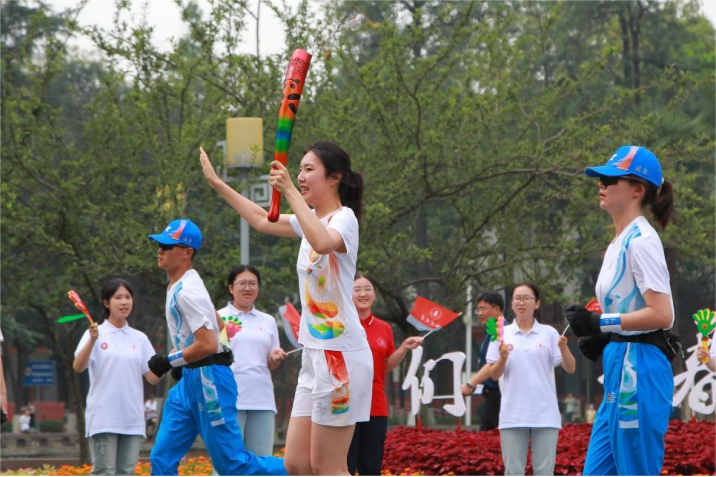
x=634 y=294
x=204 y=400
x=366 y=452
x=334 y=384
x=256 y=353
x=116 y=355
x=489 y=305
x=527 y=356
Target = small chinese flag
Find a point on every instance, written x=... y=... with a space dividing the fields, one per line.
x=291 y=323
x=429 y=316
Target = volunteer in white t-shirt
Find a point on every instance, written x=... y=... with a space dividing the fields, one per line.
x=256 y=353
x=334 y=385
x=634 y=294
x=526 y=357
x=116 y=355
x=204 y=400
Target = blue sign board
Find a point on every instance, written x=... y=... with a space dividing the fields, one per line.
x=40 y=373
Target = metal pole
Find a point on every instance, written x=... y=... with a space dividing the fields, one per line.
x=244 y=242
x=468 y=350
x=37 y=409
x=244 y=224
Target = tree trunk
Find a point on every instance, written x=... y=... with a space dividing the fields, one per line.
x=635 y=30
x=72 y=378
x=626 y=52
x=76 y=392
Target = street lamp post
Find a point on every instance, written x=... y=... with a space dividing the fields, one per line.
x=244 y=151
x=467 y=319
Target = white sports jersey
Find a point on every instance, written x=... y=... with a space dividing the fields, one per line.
x=329 y=319
x=634 y=263
x=189 y=308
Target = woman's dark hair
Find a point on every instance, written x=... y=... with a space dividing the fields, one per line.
x=110 y=288
x=660 y=200
x=534 y=289
x=239 y=269
x=367 y=277
x=494 y=299
x=337 y=161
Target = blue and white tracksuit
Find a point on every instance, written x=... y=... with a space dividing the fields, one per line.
x=204 y=400
x=628 y=434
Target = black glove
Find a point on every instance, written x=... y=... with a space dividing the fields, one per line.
x=593 y=346
x=583 y=321
x=159 y=365
x=177 y=373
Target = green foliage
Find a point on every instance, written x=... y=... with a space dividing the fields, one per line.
x=51 y=426
x=471 y=121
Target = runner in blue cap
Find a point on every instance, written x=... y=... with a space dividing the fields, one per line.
x=634 y=293
x=204 y=400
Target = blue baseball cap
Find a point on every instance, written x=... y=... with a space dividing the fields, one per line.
x=180 y=232
x=635 y=160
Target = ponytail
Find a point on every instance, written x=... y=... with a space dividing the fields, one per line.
x=662 y=208
x=337 y=161
x=350 y=190
x=661 y=203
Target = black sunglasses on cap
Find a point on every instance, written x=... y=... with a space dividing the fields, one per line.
x=166 y=247
x=607 y=181
x=610 y=181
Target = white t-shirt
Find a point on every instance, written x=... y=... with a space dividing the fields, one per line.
x=118 y=361
x=634 y=263
x=189 y=308
x=529 y=392
x=329 y=319
x=712 y=350
x=251 y=346
x=24 y=421
x=150 y=408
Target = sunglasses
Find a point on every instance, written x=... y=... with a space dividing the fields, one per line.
x=166 y=247
x=610 y=181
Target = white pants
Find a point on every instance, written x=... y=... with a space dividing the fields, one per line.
x=336 y=393
x=514 y=443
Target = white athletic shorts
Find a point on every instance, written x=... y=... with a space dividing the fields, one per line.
x=334 y=388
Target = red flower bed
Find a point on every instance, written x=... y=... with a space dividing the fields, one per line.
x=689 y=450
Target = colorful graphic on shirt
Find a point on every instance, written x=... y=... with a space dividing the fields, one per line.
x=613 y=301
x=628 y=405
x=323 y=296
x=181 y=338
x=211 y=397
x=341 y=394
